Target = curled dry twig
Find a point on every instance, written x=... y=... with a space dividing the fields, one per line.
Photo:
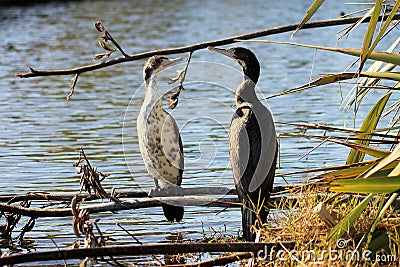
x=173 y=97
x=26 y=228
x=74 y=80
x=82 y=225
x=103 y=42
x=90 y=177
x=80 y=217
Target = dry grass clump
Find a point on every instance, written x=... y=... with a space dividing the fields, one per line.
x=296 y=219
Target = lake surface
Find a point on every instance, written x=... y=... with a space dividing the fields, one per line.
x=41 y=133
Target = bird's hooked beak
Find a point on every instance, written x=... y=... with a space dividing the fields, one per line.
x=224 y=52
x=168 y=62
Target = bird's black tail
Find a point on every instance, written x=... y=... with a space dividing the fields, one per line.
x=250 y=215
x=173 y=213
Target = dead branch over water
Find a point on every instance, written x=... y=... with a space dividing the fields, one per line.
x=138 y=193
x=139 y=203
x=194 y=47
x=126 y=194
x=140 y=200
x=91 y=182
x=123 y=205
x=128 y=205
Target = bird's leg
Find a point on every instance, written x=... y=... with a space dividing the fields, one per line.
x=170 y=190
x=154 y=192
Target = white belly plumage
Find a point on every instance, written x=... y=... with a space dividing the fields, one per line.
x=160 y=145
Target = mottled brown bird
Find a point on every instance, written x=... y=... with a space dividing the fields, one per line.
x=159 y=139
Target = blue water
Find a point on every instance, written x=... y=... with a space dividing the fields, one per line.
x=41 y=133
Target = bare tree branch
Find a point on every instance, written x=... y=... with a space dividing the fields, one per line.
x=136 y=204
x=198 y=46
x=134 y=250
x=125 y=194
x=132 y=194
x=123 y=205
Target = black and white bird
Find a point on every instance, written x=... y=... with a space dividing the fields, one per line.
x=252 y=143
x=159 y=139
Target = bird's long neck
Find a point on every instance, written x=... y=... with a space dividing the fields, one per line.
x=251 y=70
x=245 y=91
x=153 y=98
x=151 y=88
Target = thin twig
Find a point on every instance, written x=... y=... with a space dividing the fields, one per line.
x=323 y=137
x=107 y=37
x=58 y=248
x=74 y=80
x=320 y=126
x=174 y=97
x=314 y=148
x=198 y=46
x=129 y=233
x=328 y=168
x=116 y=44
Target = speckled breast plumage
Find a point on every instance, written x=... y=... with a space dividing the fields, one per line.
x=160 y=145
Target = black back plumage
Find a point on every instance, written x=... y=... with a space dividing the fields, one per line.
x=253 y=146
